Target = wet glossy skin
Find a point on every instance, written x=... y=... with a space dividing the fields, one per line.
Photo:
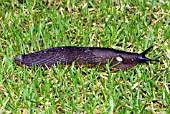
x=88 y=56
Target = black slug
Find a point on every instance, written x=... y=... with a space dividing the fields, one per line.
x=88 y=56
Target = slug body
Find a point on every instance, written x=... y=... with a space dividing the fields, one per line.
x=87 y=56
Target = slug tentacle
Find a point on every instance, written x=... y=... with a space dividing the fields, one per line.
x=86 y=56
x=143 y=58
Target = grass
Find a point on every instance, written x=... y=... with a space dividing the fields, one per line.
x=125 y=25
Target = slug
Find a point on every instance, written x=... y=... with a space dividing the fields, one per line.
x=87 y=56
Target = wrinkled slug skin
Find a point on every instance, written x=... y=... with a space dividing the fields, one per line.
x=88 y=56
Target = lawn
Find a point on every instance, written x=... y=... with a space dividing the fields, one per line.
x=127 y=25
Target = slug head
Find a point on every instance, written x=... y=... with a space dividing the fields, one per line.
x=127 y=60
